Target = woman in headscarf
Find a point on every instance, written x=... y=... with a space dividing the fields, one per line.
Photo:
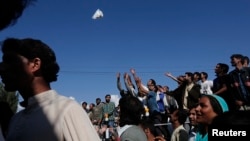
x=208 y=108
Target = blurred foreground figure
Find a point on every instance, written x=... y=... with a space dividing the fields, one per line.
x=11 y=10
x=131 y=111
x=29 y=66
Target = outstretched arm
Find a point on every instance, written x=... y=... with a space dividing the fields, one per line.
x=168 y=74
x=129 y=84
x=138 y=82
x=134 y=76
x=118 y=81
x=140 y=86
x=132 y=70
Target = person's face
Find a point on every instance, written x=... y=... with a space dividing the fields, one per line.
x=107 y=98
x=15 y=72
x=196 y=77
x=202 y=75
x=98 y=101
x=204 y=111
x=187 y=78
x=173 y=116
x=160 y=89
x=192 y=116
x=235 y=61
x=150 y=85
x=165 y=89
x=245 y=63
x=217 y=69
x=84 y=105
x=91 y=106
x=181 y=78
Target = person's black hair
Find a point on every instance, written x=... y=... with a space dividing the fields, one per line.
x=190 y=74
x=153 y=82
x=246 y=58
x=148 y=123
x=93 y=104
x=214 y=103
x=182 y=115
x=224 y=67
x=205 y=74
x=238 y=56
x=107 y=95
x=131 y=110
x=197 y=73
x=84 y=103
x=171 y=109
x=193 y=106
x=31 y=49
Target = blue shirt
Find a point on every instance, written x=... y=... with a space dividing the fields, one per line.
x=152 y=103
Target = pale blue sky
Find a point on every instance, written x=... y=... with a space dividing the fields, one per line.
x=152 y=36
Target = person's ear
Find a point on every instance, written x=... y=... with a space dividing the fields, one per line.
x=36 y=64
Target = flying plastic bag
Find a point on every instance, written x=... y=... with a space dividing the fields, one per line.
x=98 y=14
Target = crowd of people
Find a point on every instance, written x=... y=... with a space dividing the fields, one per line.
x=184 y=113
x=145 y=112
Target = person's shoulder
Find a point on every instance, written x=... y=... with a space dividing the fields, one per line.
x=232 y=72
x=197 y=85
x=183 y=134
x=101 y=104
x=246 y=69
x=133 y=129
x=183 y=131
x=65 y=99
x=152 y=93
x=210 y=81
x=134 y=133
x=66 y=102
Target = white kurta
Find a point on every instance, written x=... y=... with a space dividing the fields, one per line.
x=52 y=117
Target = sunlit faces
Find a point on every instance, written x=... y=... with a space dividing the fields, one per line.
x=150 y=85
x=204 y=111
x=192 y=116
x=107 y=98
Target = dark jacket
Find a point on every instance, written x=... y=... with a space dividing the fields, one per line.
x=235 y=88
x=193 y=95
